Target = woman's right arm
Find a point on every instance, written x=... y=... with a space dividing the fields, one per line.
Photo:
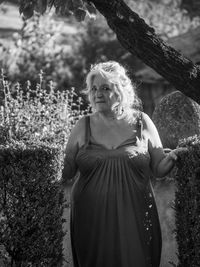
x=70 y=168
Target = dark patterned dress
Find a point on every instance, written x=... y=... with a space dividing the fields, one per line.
x=114 y=219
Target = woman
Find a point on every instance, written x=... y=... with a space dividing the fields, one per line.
x=114 y=220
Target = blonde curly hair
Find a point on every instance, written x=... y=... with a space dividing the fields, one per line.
x=129 y=103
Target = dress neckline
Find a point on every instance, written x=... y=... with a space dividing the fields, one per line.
x=88 y=136
x=128 y=140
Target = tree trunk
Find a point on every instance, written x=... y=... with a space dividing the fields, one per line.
x=140 y=39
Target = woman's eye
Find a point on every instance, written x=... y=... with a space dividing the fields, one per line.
x=93 y=89
x=106 y=88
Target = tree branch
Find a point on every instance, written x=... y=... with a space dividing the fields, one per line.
x=140 y=39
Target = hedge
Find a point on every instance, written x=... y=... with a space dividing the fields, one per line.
x=187 y=204
x=31 y=204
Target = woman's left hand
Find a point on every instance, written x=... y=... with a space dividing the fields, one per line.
x=173 y=154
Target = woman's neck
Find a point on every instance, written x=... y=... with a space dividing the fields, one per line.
x=107 y=115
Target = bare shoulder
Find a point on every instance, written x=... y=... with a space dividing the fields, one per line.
x=93 y=117
x=147 y=123
x=80 y=124
x=150 y=130
x=77 y=133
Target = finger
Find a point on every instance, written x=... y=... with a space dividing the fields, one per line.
x=173 y=155
x=181 y=149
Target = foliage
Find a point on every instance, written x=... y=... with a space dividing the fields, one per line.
x=100 y=43
x=78 y=8
x=45 y=43
x=34 y=130
x=64 y=58
x=31 y=206
x=38 y=114
x=165 y=17
x=187 y=203
x=176 y=116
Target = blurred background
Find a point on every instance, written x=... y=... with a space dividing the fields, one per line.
x=65 y=49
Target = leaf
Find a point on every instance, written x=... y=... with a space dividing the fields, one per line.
x=91 y=8
x=78 y=4
x=28 y=13
x=70 y=5
x=27 y=9
x=80 y=14
x=51 y=3
x=41 y=6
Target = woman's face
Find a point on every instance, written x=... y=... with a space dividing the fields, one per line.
x=103 y=96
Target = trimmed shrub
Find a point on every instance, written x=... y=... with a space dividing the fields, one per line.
x=31 y=204
x=176 y=117
x=187 y=203
x=44 y=116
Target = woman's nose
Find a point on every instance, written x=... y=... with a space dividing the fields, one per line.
x=98 y=93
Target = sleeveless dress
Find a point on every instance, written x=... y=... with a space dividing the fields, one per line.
x=114 y=220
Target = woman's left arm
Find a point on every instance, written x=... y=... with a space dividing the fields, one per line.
x=161 y=163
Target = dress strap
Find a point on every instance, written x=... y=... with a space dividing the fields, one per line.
x=140 y=125
x=87 y=130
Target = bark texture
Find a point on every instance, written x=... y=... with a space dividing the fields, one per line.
x=140 y=39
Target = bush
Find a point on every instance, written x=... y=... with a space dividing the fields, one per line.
x=34 y=129
x=42 y=113
x=187 y=204
x=31 y=206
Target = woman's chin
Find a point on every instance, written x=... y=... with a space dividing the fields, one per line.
x=101 y=107
x=104 y=110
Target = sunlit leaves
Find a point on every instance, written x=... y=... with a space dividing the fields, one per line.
x=39 y=114
x=164 y=16
x=41 y=6
x=82 y=8
x=49 y=44
x=27 y=8
x=91 y=9
x=78 y=8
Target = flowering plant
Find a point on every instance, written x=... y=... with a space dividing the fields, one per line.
x=43 y=114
